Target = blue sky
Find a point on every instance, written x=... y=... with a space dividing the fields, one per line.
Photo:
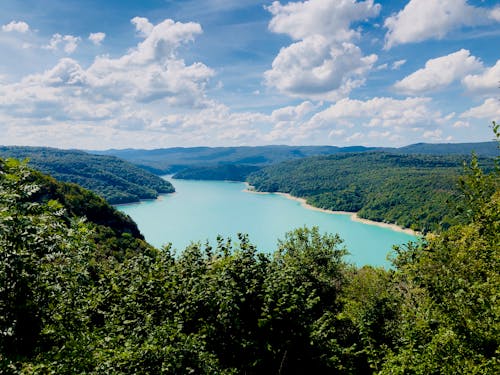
x=161 y=73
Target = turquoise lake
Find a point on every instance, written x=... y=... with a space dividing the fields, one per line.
x=200 y=210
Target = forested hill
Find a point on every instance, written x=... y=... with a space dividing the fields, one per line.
x=409 y=190
x=171 y=160
x=214 y=159
x=486 y=149
x=115 y=180
x=88 y=297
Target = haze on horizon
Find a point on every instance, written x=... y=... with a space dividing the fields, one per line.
x=166 y=73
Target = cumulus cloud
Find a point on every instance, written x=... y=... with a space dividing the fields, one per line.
x=148 y=97
x=330 y=18
x=142 y=26
x=17 y=26
x=383 y=111
x=323 y=62
x=487 y=81
x=288 y=124
x=439 y=72
x=384 y=118
x=430 y=19
x=292 y=113
x=133 y=89
x=488 y=110
x=69 y=43
x=97 y=38
x=313 y=68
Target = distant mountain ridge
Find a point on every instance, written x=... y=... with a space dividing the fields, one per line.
x=115 y=180
x=171 y=160
x=211 y=162
x=485 y=149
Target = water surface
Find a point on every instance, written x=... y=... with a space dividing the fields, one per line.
x=200 y=210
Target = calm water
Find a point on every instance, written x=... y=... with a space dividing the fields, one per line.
x=199 y=210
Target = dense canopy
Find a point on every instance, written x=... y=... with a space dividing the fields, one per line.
x=90 y=296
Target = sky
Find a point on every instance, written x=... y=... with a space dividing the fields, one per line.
x=150 y=74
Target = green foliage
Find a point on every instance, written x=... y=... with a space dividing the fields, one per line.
x=42 y=266
x=75 y=298
x=202 y=159
x=450 y=319
x=229 y=172
x=90 y=297
x=373 y=304
x=113 y=179
x=173 y=160
x=409 y=190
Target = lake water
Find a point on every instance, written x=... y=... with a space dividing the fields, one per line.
x=200 y=210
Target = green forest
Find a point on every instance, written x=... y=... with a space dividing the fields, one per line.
x=176 y=159
x=413 y=191
x=115 y=180
x=81 y=292
x=228 y=172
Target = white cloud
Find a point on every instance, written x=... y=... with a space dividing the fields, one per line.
x=461 y=124
x=128 y=93
x=142 y=26
x=439 y=72
x=330 y=18
x=322 y=63
x=69 y=43
x=333 y=134
x=431 y=19
x=487 y=81
x=97 y=38
x=293 y=112
x=313 y=68
x=355 y=137
x=495 y=14
x=489 y=110
x=18 y=26
x=151 y=71
x=398 y=64
x=379 y=113
x=433 y=134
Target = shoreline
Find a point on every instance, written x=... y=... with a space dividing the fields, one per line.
x=160 y=197
x=354 y=215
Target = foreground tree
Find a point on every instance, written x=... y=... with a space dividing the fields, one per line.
x=450 y=286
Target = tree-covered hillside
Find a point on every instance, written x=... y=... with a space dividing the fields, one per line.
x=228 y=172
x=172 y=160
x=485 y=149
x=115 y=180
x=214 y=160
x=409 y=190
x=82 y=297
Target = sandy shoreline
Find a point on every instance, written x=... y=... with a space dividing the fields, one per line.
x=354 y=216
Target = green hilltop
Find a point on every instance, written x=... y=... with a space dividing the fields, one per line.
x=113 y=179
x=413 y=191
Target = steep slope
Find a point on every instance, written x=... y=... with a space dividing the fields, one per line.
x=113 y=179
x=409 y=190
